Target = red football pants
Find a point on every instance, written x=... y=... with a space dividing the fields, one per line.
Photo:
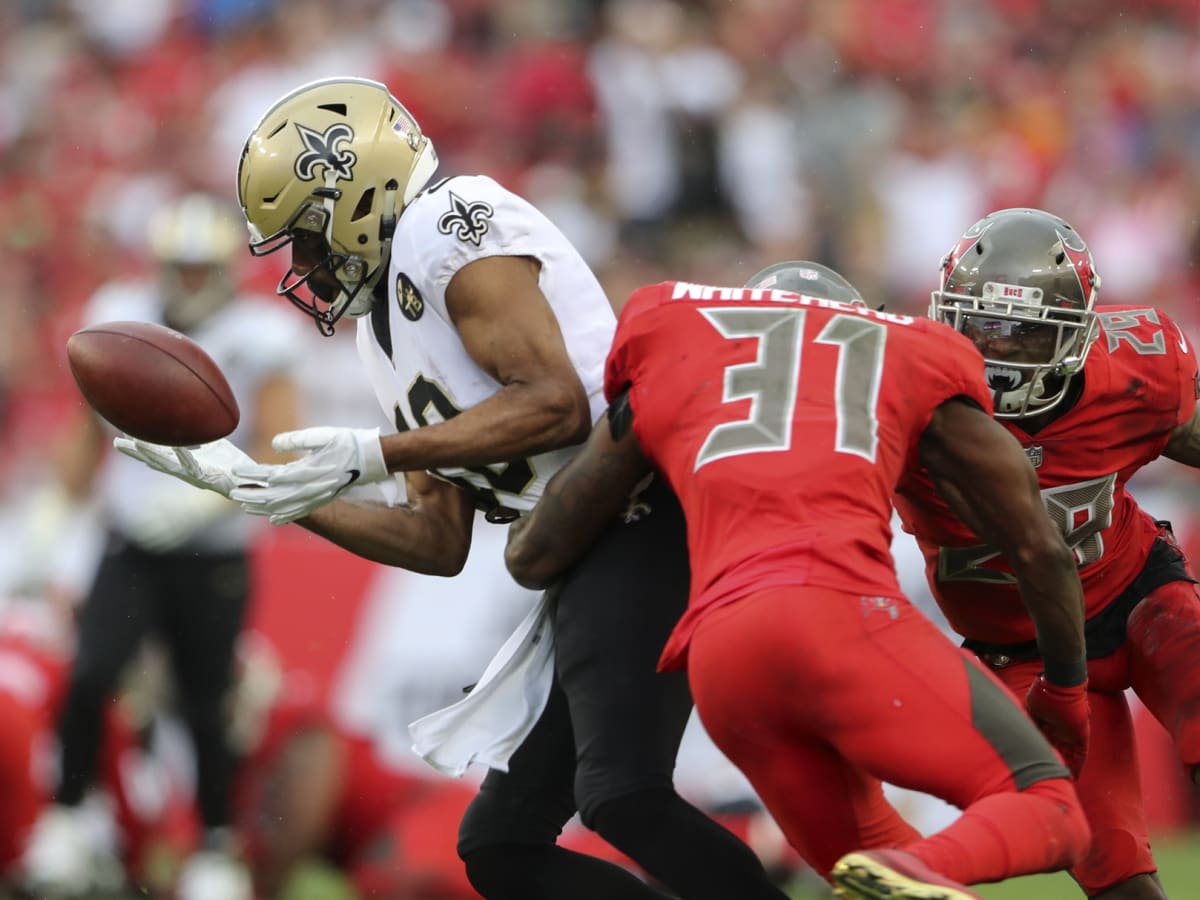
x=1160 y=660
x=817 y=695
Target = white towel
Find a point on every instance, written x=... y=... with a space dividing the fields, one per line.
x=488 y=724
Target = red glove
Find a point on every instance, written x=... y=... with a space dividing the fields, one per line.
x=1063 y=715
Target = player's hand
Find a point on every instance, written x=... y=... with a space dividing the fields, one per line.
x=1063 y=715
x=209 y=466
x=171 y=514
x=334 y=459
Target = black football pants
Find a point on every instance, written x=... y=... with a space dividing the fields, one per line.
x=195 y=604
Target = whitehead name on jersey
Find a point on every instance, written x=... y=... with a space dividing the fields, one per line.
x=415 y=359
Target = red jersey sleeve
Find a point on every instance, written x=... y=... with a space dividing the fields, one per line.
x=1187 y=374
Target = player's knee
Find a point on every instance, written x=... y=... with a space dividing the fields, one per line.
x=1064 y=821
x=620 y=820
x=500 y=871
x=1139 y=887
x=618 y=789
x=500 y=818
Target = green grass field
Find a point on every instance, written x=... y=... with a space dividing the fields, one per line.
x=1178 y=858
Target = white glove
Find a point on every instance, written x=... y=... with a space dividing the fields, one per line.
x=167 y=517
x=336 y=458
x=208 y=466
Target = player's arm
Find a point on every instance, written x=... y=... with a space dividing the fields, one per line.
x=509 y=329
x=988 y=482
x=430 y=533
x=581 y=499
x=985 y=477
x=1184 y=443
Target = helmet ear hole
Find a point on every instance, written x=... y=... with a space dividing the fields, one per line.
x=365 y=203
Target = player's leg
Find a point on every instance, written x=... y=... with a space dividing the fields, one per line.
x=1163 y=643
x=1119 y=865
x=614 y=612
x=116 y=614
x=507 y=836
x=878 y=682
x=982 y=754
x=202 y=618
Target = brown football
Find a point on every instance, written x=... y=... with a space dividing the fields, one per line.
x=153 y=383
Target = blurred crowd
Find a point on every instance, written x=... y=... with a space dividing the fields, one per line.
x=690 y=139
x=681 y=138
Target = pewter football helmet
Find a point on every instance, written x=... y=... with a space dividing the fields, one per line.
x=1021 y=284
x=803 y=277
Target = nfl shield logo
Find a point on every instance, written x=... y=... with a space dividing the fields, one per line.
x=1035 y=455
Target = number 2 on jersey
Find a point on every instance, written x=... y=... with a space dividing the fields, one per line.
x=772 y=380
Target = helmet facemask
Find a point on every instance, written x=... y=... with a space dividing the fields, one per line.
x=1021 y=285
x=335 y=284
x=1042 y=346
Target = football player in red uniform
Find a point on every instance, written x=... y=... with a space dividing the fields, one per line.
x=152 y=815
x=783 y=422
x=1021 y=284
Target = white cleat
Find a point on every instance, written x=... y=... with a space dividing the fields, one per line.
x=59 y=858
x=212 y=875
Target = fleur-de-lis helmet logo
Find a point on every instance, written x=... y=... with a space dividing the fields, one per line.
x=323 y=149
x=466 y=221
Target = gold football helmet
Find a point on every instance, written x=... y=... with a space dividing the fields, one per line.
x=330 y=167
x=194 y=241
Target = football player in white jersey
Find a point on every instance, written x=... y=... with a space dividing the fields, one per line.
x=484 y=334
x=175 y=560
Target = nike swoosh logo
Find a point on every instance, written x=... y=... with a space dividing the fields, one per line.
x=354 y=475
x=1183 y=345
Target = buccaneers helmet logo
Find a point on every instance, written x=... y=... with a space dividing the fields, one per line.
x=1076 y=251
x=466 y=221
x=322 y=150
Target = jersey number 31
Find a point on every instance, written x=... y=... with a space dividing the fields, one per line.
x=771 y=381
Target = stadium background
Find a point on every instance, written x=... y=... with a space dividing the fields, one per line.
x=698 y=139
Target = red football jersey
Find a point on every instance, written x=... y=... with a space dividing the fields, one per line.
x=783 y=424
x=1140 y=381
